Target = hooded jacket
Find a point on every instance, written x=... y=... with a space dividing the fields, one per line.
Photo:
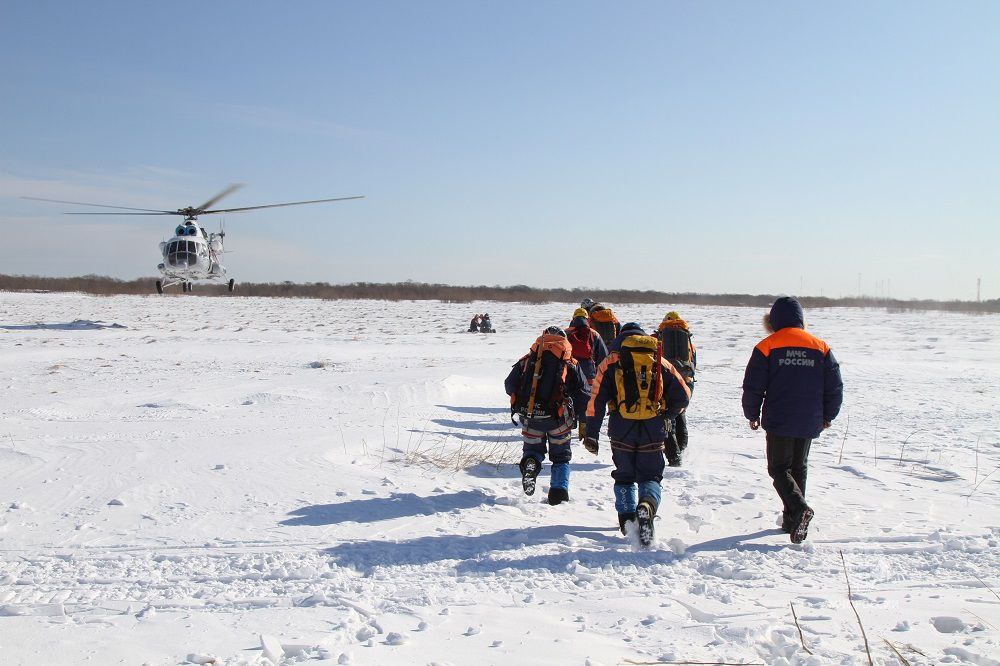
x=630 y=431
x=599 y=351
x=793 y=376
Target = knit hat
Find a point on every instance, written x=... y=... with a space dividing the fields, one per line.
x=633 y=327
x=554 y=330
x=672 y=315
x=579 y=312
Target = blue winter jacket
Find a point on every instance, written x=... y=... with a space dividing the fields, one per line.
x=599 y=350
x=630 y=431
x=794 y=376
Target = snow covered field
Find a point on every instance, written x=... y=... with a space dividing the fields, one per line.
x=297 y=480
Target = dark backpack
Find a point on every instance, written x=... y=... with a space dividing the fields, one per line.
x=676 y=343
x=541 y=392
x=603 y=321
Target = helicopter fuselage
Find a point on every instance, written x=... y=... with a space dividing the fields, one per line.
x=192 y=254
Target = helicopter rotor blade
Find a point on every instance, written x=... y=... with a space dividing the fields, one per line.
x=224 y=193
x=80 y=203
x=162 y=213
x=293 y=203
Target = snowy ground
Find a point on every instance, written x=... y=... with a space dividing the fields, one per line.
x=337 y=478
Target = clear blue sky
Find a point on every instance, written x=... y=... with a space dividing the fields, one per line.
x=707 y=146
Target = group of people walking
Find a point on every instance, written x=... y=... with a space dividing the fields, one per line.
x=643 y=382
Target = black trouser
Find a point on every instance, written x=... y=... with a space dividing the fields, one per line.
x=677 y=440
x=787 y=458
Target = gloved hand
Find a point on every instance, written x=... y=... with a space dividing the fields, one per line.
x=582 y=430
x=668 y=425
x=590 y=444
x=754 y=425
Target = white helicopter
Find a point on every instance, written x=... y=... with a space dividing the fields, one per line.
x=193 y=253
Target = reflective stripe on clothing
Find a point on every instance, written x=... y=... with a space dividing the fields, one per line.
x=556 y=436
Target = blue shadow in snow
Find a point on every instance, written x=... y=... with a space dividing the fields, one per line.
x=366 y=555
x=738 y=542
x=511 y=470
x=459 y=434
x=501 y=432
x=621 y=556
x=475 y=425
x=76 y=325
x=397 y=505
x=476 y=410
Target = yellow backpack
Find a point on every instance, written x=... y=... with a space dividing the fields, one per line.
x=638 y=378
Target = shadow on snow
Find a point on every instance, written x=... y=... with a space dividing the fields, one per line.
x=485 y=553
x=76 y=325
x=397 y=505
x=511 y=470
x=476 y=410
x=365 y=555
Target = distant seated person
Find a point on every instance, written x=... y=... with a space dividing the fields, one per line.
x=486 y=326
x=474 y=325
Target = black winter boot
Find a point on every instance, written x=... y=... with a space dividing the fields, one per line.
x=800 y=525
x=624 y=518
x=530 y=467
x=645 y=512
x=558 y=496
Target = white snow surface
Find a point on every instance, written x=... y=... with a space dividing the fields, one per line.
x=251 y=481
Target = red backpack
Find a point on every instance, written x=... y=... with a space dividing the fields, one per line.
x=581 y=338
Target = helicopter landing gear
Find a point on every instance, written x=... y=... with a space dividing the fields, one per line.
x=159 y=287
x=232 y=286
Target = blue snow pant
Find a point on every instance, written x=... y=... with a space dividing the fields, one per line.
x=636 y=463
x=558 y=433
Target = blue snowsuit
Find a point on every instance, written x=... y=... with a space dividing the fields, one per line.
x=556 y=430
x=636 y=445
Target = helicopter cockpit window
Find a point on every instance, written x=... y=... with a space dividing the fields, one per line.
x=183 y=253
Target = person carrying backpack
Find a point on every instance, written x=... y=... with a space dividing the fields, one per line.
x=486 y=325
x=474 y=324
x=643 y=393
x=603 y=321
x=547 y=390
x=678 y=349
x=796 y=379
x=588 y=347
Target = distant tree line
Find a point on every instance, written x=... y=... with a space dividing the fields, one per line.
x=417 y=291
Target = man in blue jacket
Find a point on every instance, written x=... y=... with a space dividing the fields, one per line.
x=642 y=400
x=796 y=379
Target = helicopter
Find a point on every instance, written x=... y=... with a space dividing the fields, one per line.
x=193 y=253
